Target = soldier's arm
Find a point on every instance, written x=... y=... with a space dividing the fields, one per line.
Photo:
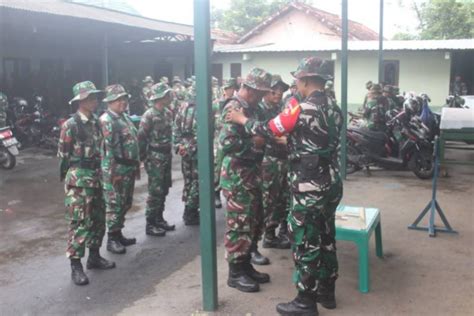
x=229 y=137
x=108 y=141
x=177 y=132
x=144 y=130
x=64 y=150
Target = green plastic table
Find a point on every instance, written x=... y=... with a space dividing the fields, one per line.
x=361 y=238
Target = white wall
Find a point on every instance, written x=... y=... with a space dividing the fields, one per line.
x=420 y=71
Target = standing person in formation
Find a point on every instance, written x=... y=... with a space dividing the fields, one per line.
x=275 y=190
x=240 y=182
x=313 y=128
x=185 y=142
x=148 y=82
x=229 y=87
x=120 y=165
x=155 y=138
x=375 y=108
x=79 y=155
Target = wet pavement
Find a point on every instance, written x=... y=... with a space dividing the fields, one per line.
x=34 y=272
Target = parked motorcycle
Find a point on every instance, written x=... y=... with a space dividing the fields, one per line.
x=404 y=145
x=8 y=148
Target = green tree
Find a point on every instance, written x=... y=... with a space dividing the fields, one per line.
x=446 y=19
x=243 y=15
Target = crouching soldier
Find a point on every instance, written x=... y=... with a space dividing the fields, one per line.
x=79 y=154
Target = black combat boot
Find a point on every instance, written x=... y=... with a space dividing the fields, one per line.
x=327 y=293
x=303 y=305
x=126 y=241
x=240 y=280
x=114 y=245
x=152 y=230
x=95 y=261
x=254 y=274
x=257 y=257
x=217 y=201
x=191 y=217
x=272 y=241
x=77 y=273
x=162 y=223
x=283 y=234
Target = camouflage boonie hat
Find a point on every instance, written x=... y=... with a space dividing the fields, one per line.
x=277 y=80
x=176 y=79
x=313 y=67
x=229 y=83
x=375 y=87
x=148 y=79
x=258 y=79
x=114 y=92
x=159 y=91
x=164 y=79
x=82 y=90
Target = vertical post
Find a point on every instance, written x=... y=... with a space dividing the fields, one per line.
x=105 y=61
x=202 y=54
x=344 y=87
x=381 y=43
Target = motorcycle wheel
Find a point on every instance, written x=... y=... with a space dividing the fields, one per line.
x=351 y=166
x=10 y=161
x=422 y=164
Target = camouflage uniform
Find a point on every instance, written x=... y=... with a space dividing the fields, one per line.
x=313 y=128
x=146 y=90
x=240 y=176
x=3 y=110
x=155 y=138
x=120 y=161
x=375 y=108
x=185 y=136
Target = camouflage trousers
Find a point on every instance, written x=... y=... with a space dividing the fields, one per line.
x=118 y=195
x=86 y=216
x=158 y=169
x=189 y=168
x=244 y=213
x=311 y=226
x=275 y=191
x=218 y=156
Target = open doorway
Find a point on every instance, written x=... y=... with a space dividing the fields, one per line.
x=462 y=65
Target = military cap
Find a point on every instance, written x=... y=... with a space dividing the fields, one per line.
x=277 y=80
x=258 y=79
x=82 y=90
x=114 y=92
x=148 y=79
x=376 y=88
x=313 y=67
x=159 y=91
x=164 y=79
x=229 y=83
x=176 y=79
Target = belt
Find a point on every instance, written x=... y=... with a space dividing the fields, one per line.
x=164 y=149
x=86 y=164
x=127 y=162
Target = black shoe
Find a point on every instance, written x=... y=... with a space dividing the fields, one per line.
x=272 y=241
x=257 y=257
x=327 y=293
x=161 y=223
x=126 y=241
x=191 y=217
x=95 y=261
x=254 y=274
x=240 y=280
x=303 y=305
x=152 y=230
x=217 y=201
x=114 y=245
x=77 y=273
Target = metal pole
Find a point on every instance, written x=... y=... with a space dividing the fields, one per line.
x=344 y=87
x=381 y=43
x=105 y=61
x=202 y=54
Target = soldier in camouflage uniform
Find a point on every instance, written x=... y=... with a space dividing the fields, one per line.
x=229 y=87
x=3 y=110
x=148 y=82
x=120 y=165
x=164 y=79
x=155 y=139
x=240 y=182
x=275 y=191
x=329 y=89
x=375 y=108
x=185 y=142
x=313 y=128
x=368 y=85
x=79 y=155
x=291 y=93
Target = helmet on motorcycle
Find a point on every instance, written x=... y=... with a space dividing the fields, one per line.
x=411 y=106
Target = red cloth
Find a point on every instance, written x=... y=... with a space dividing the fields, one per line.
x=284 y=122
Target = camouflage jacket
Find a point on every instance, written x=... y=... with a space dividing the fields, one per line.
x=154 y=134
x=79 y=151
x=267 y=112
x=375 y=110
x=146 y=92
x=313 y=140
x=120 y=146
x=185 y=129
x=235 y=141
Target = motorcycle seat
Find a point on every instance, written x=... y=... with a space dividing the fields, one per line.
x=379 y=136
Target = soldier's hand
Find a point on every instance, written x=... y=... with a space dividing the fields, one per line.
x=281 y=140
x=236 y=116
x=259 y=141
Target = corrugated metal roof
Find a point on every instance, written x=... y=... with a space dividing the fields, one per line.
x=58 y=7
x=352 y=46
